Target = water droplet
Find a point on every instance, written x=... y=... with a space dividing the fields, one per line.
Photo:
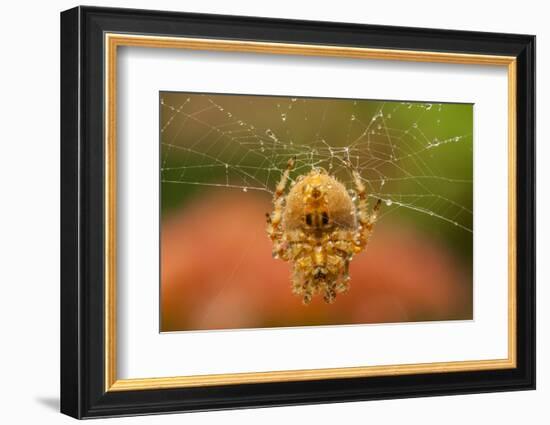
x=229 y=114
x=245 y=189
x=240 y=123
x=352 y=117
x=283 y=117
x=388 y=202
x=226 y=166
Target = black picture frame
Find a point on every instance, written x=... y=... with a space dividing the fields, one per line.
x=83 y=392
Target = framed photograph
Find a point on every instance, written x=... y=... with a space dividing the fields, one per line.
x=261 y=212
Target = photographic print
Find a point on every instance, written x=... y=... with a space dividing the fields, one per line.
x=299 y=211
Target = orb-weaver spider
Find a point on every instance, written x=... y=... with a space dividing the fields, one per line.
x=318 y=228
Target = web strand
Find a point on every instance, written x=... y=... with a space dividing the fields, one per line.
x=244 y=142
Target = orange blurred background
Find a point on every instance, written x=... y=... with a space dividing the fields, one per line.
x=217 y=273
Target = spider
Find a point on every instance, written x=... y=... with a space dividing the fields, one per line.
x=318 y=228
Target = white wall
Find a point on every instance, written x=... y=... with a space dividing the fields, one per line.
x=29 y=224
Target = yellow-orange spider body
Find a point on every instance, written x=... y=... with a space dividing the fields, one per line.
x=318 y=228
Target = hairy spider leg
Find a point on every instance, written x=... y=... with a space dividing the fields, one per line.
x=274 y=219
x=366 y=220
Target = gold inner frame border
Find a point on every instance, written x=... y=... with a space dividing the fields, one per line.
x=111 y=43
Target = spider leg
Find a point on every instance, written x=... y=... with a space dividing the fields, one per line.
x=340 y=249
x=302 y=289
x=274 y=231
x=297 y=287
x=307 y=297
x=330 y=293
x=284 y=178
x=338 y=264
x=343 y=284
x=366 y=220
x=302 y=280
x=302 y=285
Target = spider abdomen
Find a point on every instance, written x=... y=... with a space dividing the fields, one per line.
x=318 y=202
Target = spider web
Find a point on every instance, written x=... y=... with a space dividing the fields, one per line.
x=404 y=151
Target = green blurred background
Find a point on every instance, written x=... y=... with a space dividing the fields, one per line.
x=221 y=157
